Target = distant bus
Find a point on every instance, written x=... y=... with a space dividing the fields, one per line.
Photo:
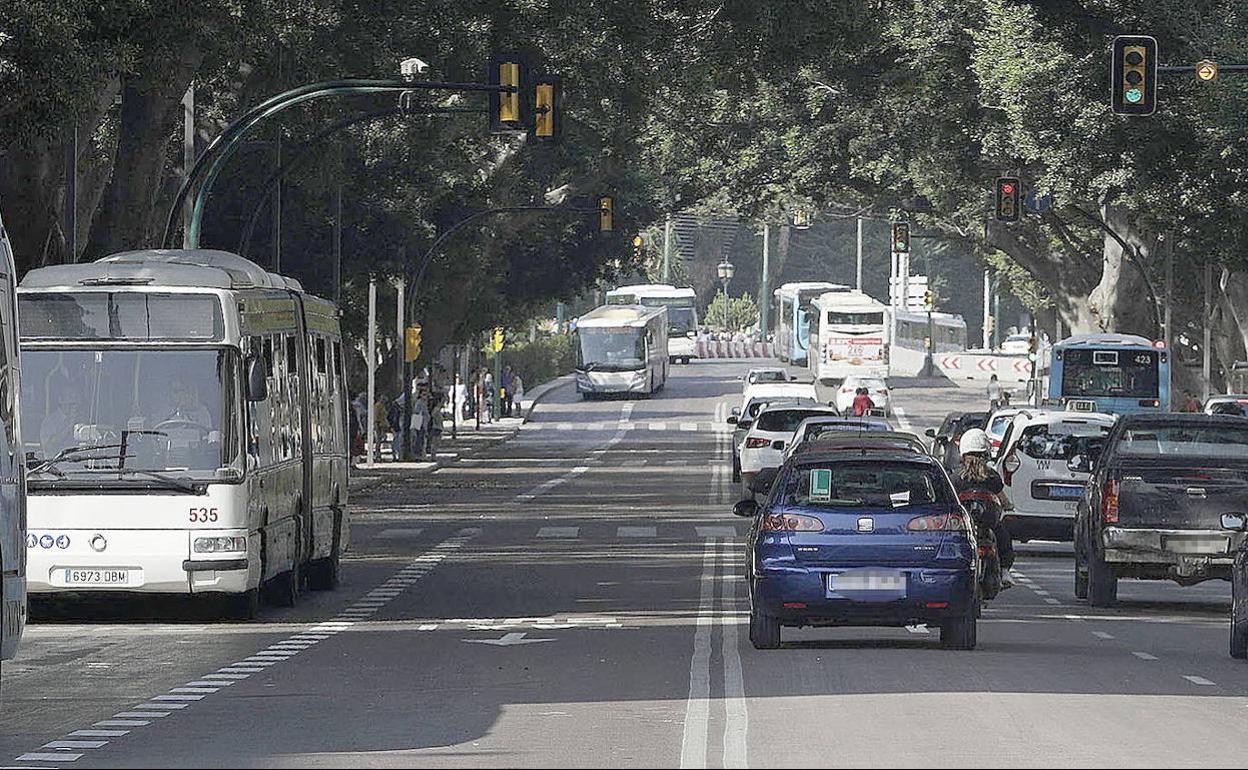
x=682 y=314
x=186 y=424
x=848 y=336
x=1112 y=373
x=908 y=342
x=792 y=303
x=621 y=349
x=13 y=536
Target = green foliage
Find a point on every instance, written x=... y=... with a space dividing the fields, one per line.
x=542 y=360
x=741 y=313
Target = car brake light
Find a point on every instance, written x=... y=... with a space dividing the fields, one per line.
x=791 y=522
x=1109 y=502
x=757 y=443
x=941 y=522
x=1010 y=465
x=1149 y=402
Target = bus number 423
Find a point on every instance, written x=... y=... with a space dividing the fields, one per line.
x=203 y=514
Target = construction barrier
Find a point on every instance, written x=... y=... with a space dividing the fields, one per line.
x=734 y=349
x=981 y=366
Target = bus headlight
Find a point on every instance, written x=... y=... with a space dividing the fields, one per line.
x=219 y=545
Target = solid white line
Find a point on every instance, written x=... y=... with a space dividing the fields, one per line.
x=1200 y=680
x=428 y=627
x=903 y=421
x=917 y=629
x=658 y=426
x=1144 y=656
x=697 y=708
x=736 y=725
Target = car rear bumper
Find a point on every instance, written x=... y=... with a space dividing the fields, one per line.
x=800 y=597
x=1170 y=546
x=1025 y=526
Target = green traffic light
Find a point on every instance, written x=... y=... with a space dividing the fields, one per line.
x=1134 y=95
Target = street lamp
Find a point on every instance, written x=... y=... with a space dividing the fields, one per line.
x=725 y=270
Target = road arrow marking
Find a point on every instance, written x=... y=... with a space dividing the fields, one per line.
x=507 y=640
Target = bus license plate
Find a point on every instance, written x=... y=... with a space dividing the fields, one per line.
x=96 y=577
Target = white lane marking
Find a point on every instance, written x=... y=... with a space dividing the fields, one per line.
x=917 y=629
x=626 y=411
x=428 y=627
x=178 y=697
x=658 y=426
x=546 y=486
x=564 y=426
x=716 y=531
x=36 y=756
x=636 y=532
x=1040 y=592
x=74 y=745
x=98 y=733
x=160 y=706
x=399 y=533
x=1048 y=600
x=903 y=421
x=736 y=726
x=1144 y=656
x=689 y=426
x=195 y=690
x=1102 y=635
x=140 y=714
x=1200 y=680
x=559 y=532
x=697 y=707
x=121 y=723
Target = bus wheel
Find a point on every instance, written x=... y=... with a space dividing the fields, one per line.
x=244 y=606
x=283 y=590
x=325 y=574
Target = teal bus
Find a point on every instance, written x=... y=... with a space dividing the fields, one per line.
x=1109 y=373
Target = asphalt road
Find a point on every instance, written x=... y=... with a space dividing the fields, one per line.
x=573 y=598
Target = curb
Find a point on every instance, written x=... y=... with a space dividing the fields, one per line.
x=545 y=389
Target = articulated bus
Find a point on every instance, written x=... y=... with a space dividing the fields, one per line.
x=682 y=314
x=908 y=342
x=621 y=349
x=849 y=335
x=1110 y=373
x=186 y=430
x=792 y=304
x=12 y=465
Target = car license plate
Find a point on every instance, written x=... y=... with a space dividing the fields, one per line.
x=1065 y=493
x=1195 y=544
x=867 y=580
x=96 y=577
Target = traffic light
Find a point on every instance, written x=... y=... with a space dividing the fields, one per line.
x=929 y=299
x=1133 y=75
x=411 y=348
x=1008 y=196
x=507 y=108
x=606 y=214
x=639 y=249
x=497 y=341
x=547 y=108
x=901 y=237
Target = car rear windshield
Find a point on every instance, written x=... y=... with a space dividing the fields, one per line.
x=1061 y=442
x=769 y=377
x=1215 y=442
x=784 y=420
x=824 y=428
x=972 y=420
x=867 y=483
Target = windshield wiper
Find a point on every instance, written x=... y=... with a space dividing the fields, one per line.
x=172 y=482
x=73 y=454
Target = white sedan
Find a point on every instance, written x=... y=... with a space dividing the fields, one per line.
x=877 y=389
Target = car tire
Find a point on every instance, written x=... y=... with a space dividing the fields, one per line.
x=1102 y=584
x=1081 y=572
x=960 y=633
x=736 y=470
x=1239 y=635
x=764 y=630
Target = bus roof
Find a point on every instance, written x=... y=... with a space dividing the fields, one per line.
x=847 y=300
x=808 y=287
x=652 y=290
x=615 y=316
x=1102 y=340
x=944 y=319
x=639 y=287
x=207 y=268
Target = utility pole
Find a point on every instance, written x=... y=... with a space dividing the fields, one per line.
x=764 y=300
x=71 y=191
x=1169 y=247
x=858 y=271
x=372 y=370
x=338 y=241
x=188 y=154
x=277 y=207
x=996 y=312
x=667 y=248
x=1207 y=354
x=987 y=308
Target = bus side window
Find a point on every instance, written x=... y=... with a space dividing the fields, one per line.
x=292 y=355
x=267 y=353
x=320 y=356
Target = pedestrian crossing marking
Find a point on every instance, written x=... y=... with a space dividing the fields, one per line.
x=558 y=532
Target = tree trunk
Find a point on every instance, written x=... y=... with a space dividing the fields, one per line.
x=1123 y=300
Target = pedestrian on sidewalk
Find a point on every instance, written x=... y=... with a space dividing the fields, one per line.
x=487 y=390
x=420 y=422
x=518 y=384
x=508 y=392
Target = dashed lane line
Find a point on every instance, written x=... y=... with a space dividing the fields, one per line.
x=71 y=748
x=1144 y=655
x=1199 y=680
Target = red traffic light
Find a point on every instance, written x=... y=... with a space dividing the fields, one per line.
x=1007 y=199
x=1007 y=188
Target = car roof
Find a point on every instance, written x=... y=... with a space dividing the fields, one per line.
x=817 y=455
x=781 y=406
x=1180 y=418
x=778 y=389
x=871 y=440
x=1037 y=416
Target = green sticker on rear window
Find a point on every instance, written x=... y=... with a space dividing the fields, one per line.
x=820 y=485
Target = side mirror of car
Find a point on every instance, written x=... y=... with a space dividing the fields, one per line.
x=736 y=411
x=732 y=420
x=762 y=481
x=745 y=509
x=930 y=433
x=1236 y=522
x=257 y=385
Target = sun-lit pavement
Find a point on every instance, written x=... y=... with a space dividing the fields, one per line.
x=574 y=597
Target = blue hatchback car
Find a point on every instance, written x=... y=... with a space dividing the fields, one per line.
x=861 y=538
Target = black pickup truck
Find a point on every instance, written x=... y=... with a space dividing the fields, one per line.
x=1153 y=506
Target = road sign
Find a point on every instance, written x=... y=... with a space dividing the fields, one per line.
x=1207 y=70
x=1037 y=204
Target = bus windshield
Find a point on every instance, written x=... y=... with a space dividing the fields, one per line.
x=611 y=350
x=173 y=410
x=681 y=321
x=1110 y=373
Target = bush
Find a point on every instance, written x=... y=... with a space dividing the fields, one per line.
x=542 y=360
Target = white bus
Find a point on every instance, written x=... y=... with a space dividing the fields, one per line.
x=848 y=336
x=792 y=304
x=908 y=347
x=12 y=465
x=682 y=314
x=186 y=430
x=621 y=349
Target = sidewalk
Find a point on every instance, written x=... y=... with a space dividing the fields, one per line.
x=469 y=439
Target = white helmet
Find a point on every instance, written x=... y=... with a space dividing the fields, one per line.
x=974 y=440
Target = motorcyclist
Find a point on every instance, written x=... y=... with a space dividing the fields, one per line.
x=974 y=474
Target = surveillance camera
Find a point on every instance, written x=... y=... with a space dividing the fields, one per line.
x=413 y=68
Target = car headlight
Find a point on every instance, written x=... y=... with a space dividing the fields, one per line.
x=235 y=544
